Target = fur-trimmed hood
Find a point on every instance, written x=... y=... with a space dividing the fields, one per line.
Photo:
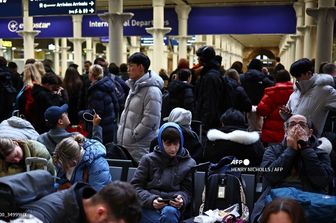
x=325 y=145
x=238 y=136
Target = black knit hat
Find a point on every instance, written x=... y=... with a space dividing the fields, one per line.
x=207 y=53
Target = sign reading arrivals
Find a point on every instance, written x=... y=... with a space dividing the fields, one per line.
x=61 y=7
x=10 y=8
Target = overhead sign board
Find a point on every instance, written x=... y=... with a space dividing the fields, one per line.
x=61 y=7
x=10 y=8
x=94 y=26
x=279 y=19
x=49 y=27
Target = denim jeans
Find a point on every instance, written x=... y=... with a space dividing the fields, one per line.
x=168 y=214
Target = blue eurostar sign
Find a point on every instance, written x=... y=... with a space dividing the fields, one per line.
x=61 y=7
x=10 y=8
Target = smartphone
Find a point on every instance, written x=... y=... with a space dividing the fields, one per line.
x=165 y=200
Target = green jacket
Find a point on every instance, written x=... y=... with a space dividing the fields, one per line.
x=30 y=148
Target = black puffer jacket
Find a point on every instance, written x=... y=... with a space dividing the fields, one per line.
x=234 y=141
x=209 y=97
x=254 y=82
x=180 y=94
x=240 y=99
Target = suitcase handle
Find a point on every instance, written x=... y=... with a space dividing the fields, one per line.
x=30 y=160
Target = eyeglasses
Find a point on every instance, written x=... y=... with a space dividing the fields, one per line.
x=292 y=124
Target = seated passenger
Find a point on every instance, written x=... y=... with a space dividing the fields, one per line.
x=191 y=141
x=17 y=128
x=57 y=119
x=116 y=202
x=233 y=139
x=81 y=160
x=299 y=161
x=305 y=163
x=14 y=152
x=163 y=178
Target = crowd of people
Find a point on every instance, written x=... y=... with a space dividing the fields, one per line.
x=256 y=115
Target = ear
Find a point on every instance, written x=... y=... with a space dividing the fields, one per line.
x=310 y=132
x=101 y=214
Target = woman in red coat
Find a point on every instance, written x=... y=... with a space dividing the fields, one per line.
x=274 y=97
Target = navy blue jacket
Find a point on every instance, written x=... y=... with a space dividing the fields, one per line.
x=102 y=98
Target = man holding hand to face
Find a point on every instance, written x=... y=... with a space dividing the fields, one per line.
x=301 y=159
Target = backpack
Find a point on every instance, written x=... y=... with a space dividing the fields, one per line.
x=227 y=94
x=317 y=207
x=224 y=188
x=120 y=91
x=23 y=188
x=115 y=151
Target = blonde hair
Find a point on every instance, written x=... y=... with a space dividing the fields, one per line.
x=40 y=67
x=68 y=150
x=97 y=71
x=31 y=75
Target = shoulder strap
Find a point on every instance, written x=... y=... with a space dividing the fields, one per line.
x=86 y=174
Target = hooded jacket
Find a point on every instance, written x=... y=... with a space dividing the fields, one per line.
x=159 y=175
x=234 y=141
x=140 y=120
x=313 y=98
x=17 y=128
x=93 y=159
x=274 y=97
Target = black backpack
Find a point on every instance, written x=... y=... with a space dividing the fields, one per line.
x=120 y=91
x=227 y=94
x=224 y=187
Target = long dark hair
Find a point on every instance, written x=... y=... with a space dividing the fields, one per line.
x=291 y=207
x=72 y=81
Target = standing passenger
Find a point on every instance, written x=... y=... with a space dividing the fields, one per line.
x=140 y=120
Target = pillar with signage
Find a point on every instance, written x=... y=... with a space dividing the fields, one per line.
x=135 y=45
x=325 y=15
x=64 y=55
x=158 y=31
x=116 y=18
x=28 y=33
x=77 y=41
x=57 y=56
x=182 y=13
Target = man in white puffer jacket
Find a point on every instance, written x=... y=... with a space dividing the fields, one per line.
x=140 y=119
x=313 y=97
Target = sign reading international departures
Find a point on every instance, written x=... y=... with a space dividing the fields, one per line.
x=61 y=7
x=10 y=8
